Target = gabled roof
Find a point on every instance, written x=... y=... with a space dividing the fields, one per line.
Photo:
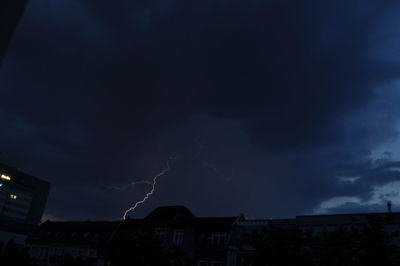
x=170 y=214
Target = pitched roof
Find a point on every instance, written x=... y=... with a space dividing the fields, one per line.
x=170 y=214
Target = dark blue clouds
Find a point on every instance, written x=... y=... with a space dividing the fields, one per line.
x=264 y=101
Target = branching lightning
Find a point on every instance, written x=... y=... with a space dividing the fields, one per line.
x=153 y=184
x=131 y=185
x=220 y=174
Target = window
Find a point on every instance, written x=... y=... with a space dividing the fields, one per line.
x=12 y=196
x=217 y=238
x=160 y=233
x=6 y=177
x=178 y=238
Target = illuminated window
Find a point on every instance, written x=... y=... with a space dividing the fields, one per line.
x=1 y=184
x=12 y=196
x=6 y=177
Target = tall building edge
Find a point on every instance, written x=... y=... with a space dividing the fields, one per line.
x=39 y=202
x=23 y=197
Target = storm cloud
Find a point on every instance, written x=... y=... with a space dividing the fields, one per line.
x=266 y=104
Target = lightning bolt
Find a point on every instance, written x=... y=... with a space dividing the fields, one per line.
x=131 y=185
x=153 y=187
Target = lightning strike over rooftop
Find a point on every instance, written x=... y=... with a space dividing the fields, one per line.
x=153 y=186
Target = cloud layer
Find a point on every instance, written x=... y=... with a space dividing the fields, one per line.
x=266 y=103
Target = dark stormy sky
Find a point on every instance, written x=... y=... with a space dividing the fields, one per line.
x=272 y=108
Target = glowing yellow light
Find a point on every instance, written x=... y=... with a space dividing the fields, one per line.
x=6 y=177
x=12 y=196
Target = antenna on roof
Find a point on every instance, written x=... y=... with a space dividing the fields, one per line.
x=389 y=205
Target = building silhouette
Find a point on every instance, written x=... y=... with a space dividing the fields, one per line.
x=217 y=241
x=22 y=201
x=201 y=241
x=198 y=240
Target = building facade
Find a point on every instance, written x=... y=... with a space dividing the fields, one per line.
x=22 y=197
x=198 y=241
x=84 y=240
x=22 y=201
